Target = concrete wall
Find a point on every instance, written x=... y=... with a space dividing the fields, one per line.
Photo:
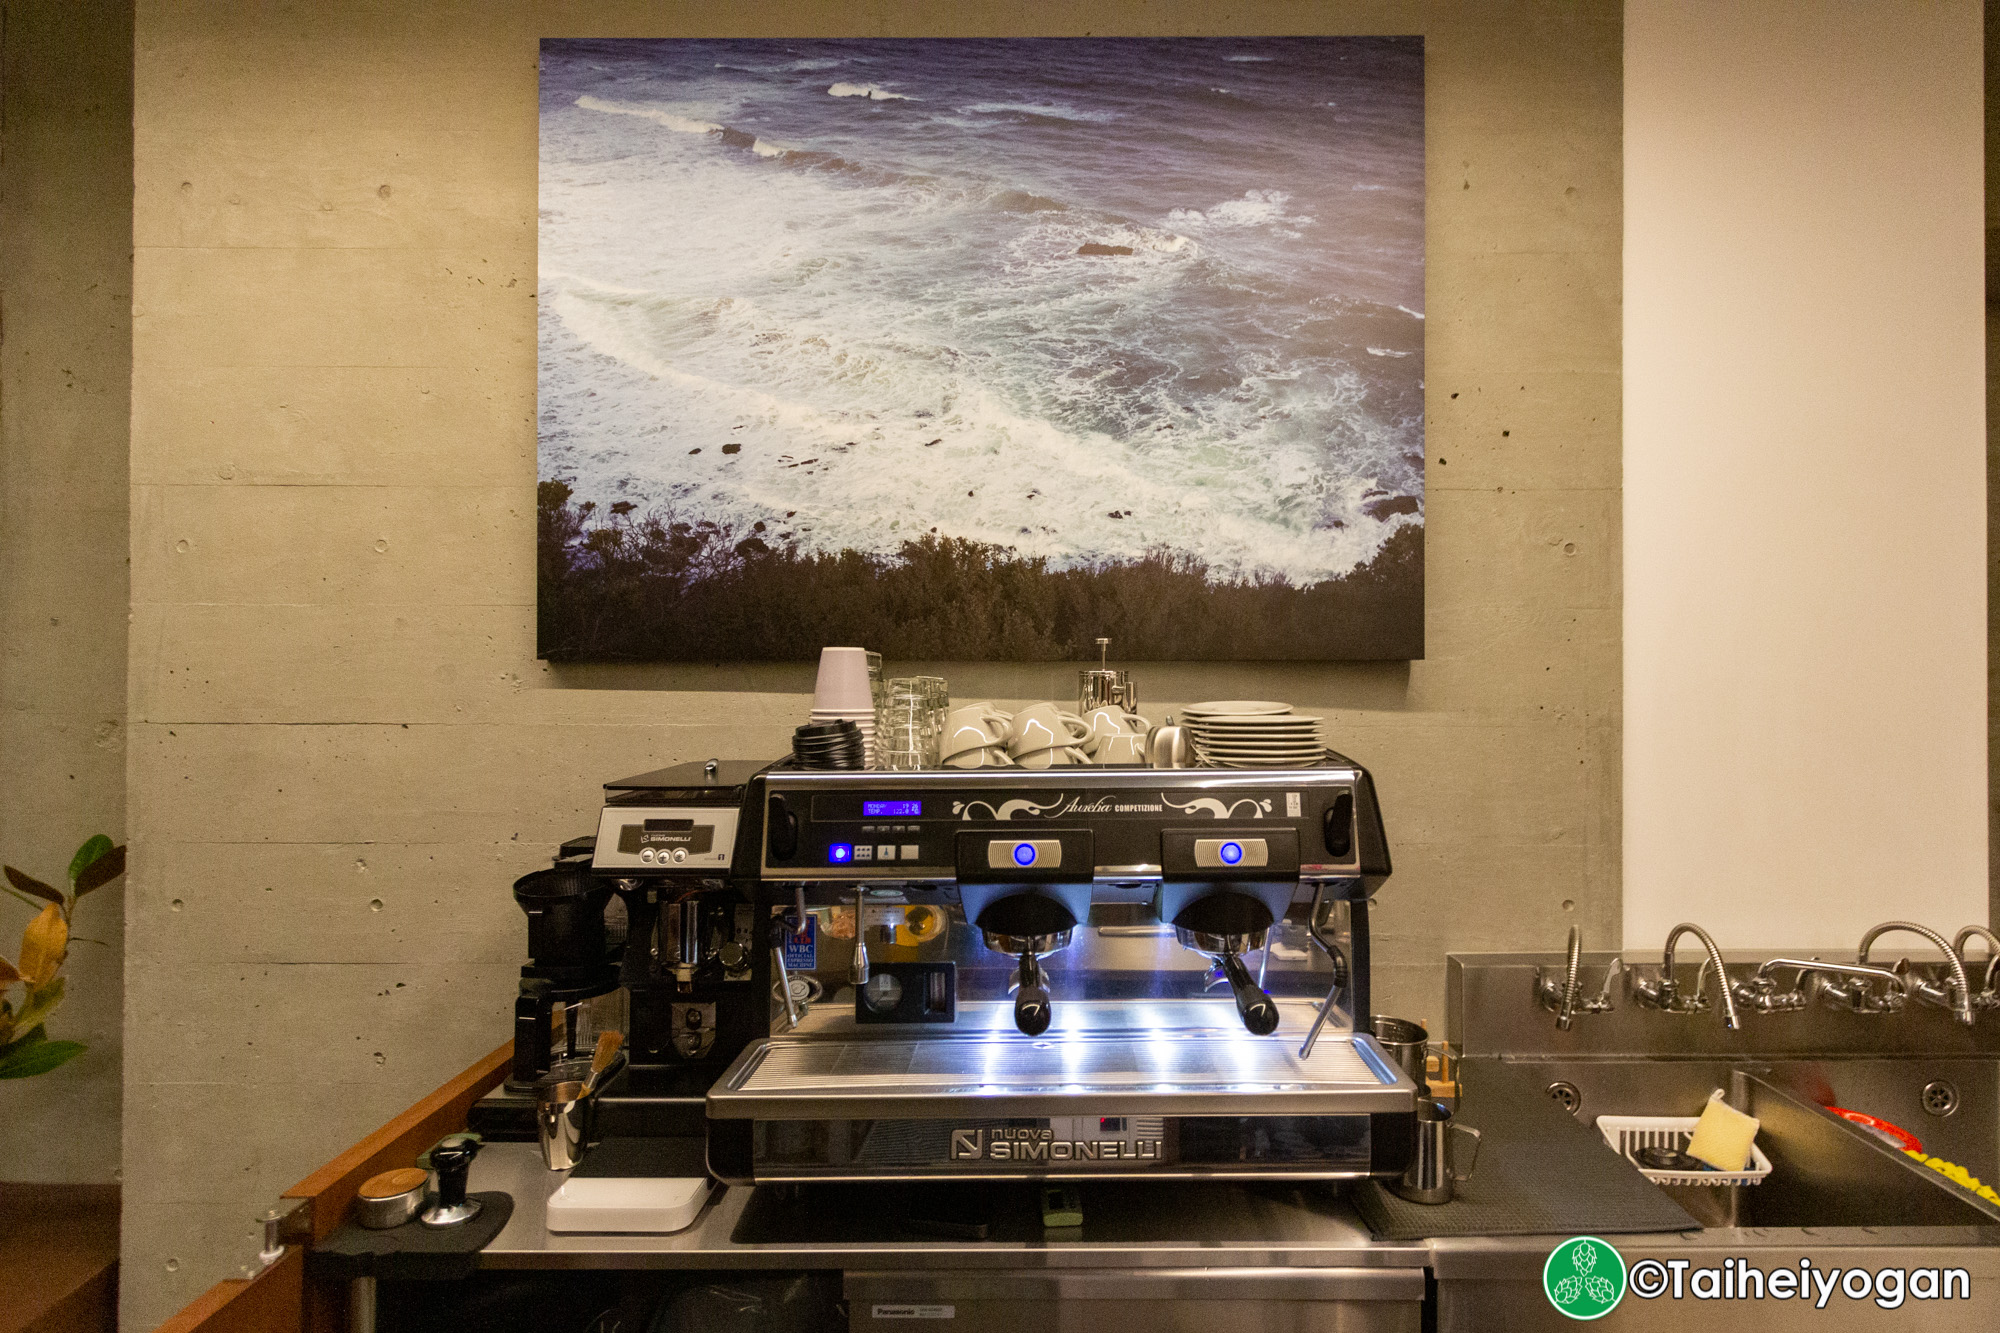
x=65 y=379
x=1805 y=512
x=343 y=748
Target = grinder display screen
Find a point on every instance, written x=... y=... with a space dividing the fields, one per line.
x=892 y=809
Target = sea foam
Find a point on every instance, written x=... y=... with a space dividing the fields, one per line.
x=658 y=115
x=868 y=90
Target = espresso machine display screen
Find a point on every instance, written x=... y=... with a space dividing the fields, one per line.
x=892 y=809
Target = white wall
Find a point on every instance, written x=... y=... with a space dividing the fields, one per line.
x=1805 y=515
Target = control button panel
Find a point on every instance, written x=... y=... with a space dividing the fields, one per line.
x=1231 y=853
x=1024 y=854
x=665 y=838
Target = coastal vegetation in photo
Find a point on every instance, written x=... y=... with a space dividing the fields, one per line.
x=981 y=349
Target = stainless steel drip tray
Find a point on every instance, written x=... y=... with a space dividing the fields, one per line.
x=1171 y=1074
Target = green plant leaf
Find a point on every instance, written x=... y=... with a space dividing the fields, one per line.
x=38 y=1057
x=29 y=884
x=32 y=1037
x=36 y=1009
x=101 y=871
x=94 y=849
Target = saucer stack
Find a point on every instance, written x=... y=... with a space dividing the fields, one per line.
x=1252 y=733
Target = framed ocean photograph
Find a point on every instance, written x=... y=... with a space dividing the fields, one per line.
x=981 y=349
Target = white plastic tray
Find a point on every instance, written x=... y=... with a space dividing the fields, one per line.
x=1629 y=1133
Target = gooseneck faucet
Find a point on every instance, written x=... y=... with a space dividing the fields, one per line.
x=1988 y=996
x=1572 y=983
x=1565 y=998
x=1665 y=994
x=1959 y=999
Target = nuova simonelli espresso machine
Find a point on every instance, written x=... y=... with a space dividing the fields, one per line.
x=1094 y=973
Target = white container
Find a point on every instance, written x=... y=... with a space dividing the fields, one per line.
x=1628 y=1133
x=653 y=1205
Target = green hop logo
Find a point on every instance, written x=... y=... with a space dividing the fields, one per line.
x=1584 y=1278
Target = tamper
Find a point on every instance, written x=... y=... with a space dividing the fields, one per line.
x=453 y=1163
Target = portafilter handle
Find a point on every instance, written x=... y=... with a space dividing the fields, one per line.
x=1033 y=1009
x=1258 y=1011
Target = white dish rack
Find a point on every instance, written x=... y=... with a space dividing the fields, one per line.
x=1628 y=1133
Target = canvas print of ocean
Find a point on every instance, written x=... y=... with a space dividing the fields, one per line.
x=980 y=350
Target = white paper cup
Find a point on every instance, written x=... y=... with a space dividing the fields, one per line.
x=843 y=681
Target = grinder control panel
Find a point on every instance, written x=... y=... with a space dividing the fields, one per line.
x=638 y=838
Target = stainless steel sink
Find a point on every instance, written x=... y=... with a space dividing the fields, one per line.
x=1951 y=1103
x=1826 y=1171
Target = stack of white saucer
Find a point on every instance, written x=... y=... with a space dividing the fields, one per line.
x=1253 y=733
x=843 y=693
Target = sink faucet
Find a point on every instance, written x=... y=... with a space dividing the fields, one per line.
x=1665 y=994
x=1989 y=996
x=1957 y=996
x=1565 y=999
x=1761 y=991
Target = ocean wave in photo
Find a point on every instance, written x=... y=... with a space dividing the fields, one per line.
x=870 y=91
x=1051 y=297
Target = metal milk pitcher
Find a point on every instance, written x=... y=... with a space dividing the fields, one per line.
x=1434 y=1169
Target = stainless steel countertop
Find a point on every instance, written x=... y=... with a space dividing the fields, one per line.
x=1208 y=1225
x=1179 y=1225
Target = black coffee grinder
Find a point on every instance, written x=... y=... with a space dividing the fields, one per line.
x=569 y=987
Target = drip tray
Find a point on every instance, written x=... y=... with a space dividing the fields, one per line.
x=1195 y=1073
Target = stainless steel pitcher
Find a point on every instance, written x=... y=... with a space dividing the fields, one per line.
x=1434 y=1170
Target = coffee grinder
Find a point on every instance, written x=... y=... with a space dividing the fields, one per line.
x=570 y=985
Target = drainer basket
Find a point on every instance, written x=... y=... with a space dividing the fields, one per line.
x=1628 y=1133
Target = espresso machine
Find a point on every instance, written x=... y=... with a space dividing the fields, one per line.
x=1063 y=974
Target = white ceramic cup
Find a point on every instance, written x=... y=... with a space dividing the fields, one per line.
x=843 y=681
x=1043 y=727
x=986 y=756
x=1108 y=722
x=1120 y=749
x=1058 y=756
x=973 y=727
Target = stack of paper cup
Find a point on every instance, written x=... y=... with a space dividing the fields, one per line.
x=843 y=693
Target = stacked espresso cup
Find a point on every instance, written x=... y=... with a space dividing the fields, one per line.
x=1041 y=736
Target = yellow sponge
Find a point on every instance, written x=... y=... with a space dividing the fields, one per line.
x=1723 y=1137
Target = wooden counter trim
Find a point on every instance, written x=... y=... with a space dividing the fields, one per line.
x=266 y=1303
x=279 y=1298
x=329 y=1190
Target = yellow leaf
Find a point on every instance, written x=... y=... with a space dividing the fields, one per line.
x=43 y=947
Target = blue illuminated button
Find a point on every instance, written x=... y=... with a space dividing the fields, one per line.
x=1024 y=854
x=840 y=853
x=1232 y=852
